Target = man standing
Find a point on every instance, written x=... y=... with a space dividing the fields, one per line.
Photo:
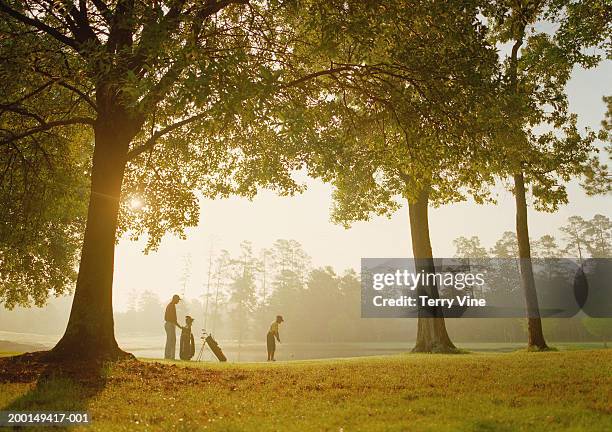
x=170 y=326
x=273 y=333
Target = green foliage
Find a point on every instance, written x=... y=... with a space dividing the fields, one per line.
x=506 y=246
x=411 y=115
x=189 y=84
x=541 y=138
x=43 y=177
x=598 y=236
x=545 y=247
x=469 y=248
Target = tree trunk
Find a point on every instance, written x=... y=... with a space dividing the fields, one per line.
x=90 y=332
x=431 y=330
x=534 y=323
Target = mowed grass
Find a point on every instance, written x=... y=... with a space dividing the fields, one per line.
x=569 y=391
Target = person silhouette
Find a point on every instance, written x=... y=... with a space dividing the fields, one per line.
x=272 y=334
x=170 y=326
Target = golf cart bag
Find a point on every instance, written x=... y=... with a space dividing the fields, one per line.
x=214 y=347
x=187 y=345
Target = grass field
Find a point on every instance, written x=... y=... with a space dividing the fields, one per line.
x=569 y=391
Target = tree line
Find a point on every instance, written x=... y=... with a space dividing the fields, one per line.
x=582 y=238
x=244 y=292
x=109 y=103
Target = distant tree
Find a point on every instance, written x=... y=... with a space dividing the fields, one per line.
x=185 y=274
x=503 y=274
x=575 y=236
x=222 y=272
x=290 y=266
x=547 y=250
x=600 y=327
x=546 y=247
x=288 y=256
x=506 y=246
x=321 y=303
x=598 y=236
x=469 y=248
x=349 y=313
x=243 y=290
x=150 y=311
x=265 y=276
x=133 y=300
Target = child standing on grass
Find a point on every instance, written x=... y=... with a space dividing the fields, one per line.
x=187 y=346
x=272 y=334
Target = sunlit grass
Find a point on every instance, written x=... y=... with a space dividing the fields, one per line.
x=556 y=391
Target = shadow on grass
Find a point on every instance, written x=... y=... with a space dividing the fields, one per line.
x=58 y=386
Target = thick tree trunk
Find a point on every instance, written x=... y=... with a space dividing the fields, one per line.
x=90 y=331
x=431 y=330
x=534 y=323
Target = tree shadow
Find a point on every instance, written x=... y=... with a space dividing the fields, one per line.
x=59 y=386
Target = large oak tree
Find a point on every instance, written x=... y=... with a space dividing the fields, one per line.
x=167 y=98
x=407 y=126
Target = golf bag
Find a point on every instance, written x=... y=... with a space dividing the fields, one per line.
x=215 y=348
x=187 y=345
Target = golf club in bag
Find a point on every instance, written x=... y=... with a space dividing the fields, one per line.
x=213 y=345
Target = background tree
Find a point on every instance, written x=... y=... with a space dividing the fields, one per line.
x=598 y=234
x=290 y=266
x=321 y=301
x=503 y=274
x=536 y=72
x=220 y=278
x=402 y=128
x=546 y=247
x=506 y=246
x=243 y=291
x=469 y=248
x=574 y=235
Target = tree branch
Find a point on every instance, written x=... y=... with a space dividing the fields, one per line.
x=151 y=141
x=316 y=75
x=47 y=126
x=18 y=109
x=158 y=91
x=83 y=31
x=53 y=32
x=171 y=19
x=83 y=95
x=104 y=10
x=54 y=80
x=32 y=93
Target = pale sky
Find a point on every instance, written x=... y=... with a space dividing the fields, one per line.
x=305 y=218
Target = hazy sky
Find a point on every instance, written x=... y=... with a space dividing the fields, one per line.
x=305 y=218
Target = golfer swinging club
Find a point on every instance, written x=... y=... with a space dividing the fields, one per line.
x=273 y=333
